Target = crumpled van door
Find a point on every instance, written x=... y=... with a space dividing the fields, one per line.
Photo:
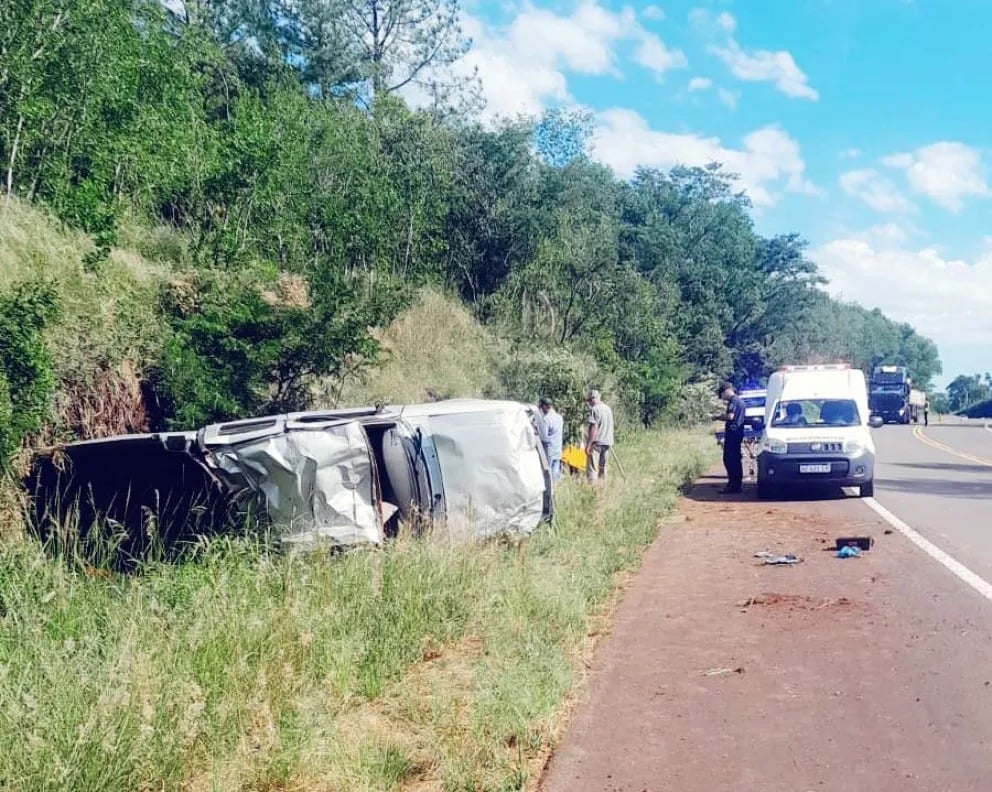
x=317 y=481
x=429 y=477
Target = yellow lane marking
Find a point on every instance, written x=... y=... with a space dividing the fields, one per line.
x=923 y=438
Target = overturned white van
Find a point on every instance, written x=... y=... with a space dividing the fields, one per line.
x=816 y=430
x=471 y=468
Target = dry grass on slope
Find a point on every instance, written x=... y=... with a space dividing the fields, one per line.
x=434 y=345
x=108 y=325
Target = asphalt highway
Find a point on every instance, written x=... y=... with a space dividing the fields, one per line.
x=938 y=480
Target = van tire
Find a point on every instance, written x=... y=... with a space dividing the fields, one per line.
x=867 y=490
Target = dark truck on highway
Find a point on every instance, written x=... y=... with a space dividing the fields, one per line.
x=891 y=395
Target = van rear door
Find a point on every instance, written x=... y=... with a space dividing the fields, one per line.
x=127 y=496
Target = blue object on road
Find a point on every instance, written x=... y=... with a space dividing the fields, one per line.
x=848 y=552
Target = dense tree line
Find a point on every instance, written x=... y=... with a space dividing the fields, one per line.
x=967 y=391
x=275 y=137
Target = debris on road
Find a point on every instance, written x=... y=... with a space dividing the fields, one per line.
x=849 y=551
x=778 y=560
x=722 y=671
x=861 y=542
x=795 y=602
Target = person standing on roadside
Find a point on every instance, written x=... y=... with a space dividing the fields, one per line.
x=551 y=439
x=926 y=412
x=733 y=438
x=599 y=436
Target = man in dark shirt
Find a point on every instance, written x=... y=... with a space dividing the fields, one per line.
x=733 y=438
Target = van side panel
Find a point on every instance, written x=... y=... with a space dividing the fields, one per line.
x=493 y=479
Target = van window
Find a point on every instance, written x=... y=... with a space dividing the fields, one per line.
x=816 y=412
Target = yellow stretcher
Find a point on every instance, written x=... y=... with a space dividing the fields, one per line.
x=574 y=458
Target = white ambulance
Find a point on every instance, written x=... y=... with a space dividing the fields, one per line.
x=817 y=430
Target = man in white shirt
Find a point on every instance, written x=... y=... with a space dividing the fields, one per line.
x=599 y=436
x=552 y=433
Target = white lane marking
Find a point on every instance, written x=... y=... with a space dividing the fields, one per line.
x=978 y=583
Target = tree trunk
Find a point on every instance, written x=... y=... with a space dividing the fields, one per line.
x=13 y=158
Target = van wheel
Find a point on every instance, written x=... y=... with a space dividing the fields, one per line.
x=764 y=490
x=867 y=490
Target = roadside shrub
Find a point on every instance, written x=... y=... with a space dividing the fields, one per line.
x=529 y=373
x=652 y=387
x=697 y=403
x=26 y=377
x=246 y=345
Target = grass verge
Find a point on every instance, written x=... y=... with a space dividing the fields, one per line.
x=422 y=666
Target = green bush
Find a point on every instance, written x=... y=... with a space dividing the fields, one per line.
x=244 y=345
x=528 y=374
x=26 y=378
x=652 y=387
x=697 y=403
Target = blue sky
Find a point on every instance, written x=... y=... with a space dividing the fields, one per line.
x=862 y=124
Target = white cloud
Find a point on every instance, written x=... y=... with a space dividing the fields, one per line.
x=769 y=162
x=701 y=18
x=887 y=234
x=777 y=67
x=948 y=300
x=851 y=153
x=875 y=190
x=653 y=12
x=766 y=66
x=524 y=66
x=700 y=84
x=653 y=55
x=511 y=84
x=583 y=42
x=729 y=98
x=945 y=172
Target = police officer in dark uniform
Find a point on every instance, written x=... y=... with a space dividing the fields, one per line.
x=732 y=439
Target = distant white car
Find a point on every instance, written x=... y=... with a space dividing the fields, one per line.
x=326 y=478
x=817 y=430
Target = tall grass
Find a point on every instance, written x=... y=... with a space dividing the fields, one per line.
x=420 y=666
x=108 y=308
x=434 y=345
